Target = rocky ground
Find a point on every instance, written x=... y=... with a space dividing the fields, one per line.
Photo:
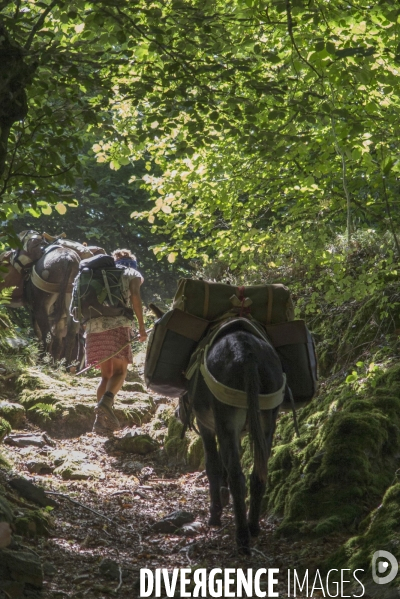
x=101 y=517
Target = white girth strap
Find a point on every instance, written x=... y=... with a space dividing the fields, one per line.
x=42 y=284
x=237 y=398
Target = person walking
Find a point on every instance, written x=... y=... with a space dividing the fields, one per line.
x=111 y=336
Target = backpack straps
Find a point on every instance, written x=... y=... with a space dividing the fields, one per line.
x=107 y=286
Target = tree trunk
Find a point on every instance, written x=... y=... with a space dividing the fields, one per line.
x=15 y=75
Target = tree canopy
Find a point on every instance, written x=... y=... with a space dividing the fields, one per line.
x=265 y=127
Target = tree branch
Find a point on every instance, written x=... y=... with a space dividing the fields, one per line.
x=40 y=22
x=35 y=176
x=290 y=31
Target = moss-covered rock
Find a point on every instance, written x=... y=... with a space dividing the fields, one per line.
x=195 y=453
x=134 y=408
x=141 y=444
x=12 y=412
x=380 y=530
x=22 y=567
x=68 y=413
x=344 y=460
x=158 y=428
x=74 y=465
x=4 y=463
x=34 y=523
x=5 y=428
x=176 y=447
x=134 y=386
x=6 y=511
x=31 y=379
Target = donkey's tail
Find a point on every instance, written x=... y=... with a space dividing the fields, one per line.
x=258 y=441
x=60 y=306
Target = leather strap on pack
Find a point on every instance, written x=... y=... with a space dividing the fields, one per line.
x=20 y=261
x=206 y=299
x=269 y=306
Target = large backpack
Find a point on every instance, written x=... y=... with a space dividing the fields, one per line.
x=97 y=290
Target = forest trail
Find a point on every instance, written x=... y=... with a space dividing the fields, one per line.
x=100 y=531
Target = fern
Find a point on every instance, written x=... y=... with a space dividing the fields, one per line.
x=6 y=326
x=45 y=410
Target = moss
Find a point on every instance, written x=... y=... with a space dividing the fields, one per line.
x=30 y=398
x=380 y=530
x=195 y=453
x=29 y=380
x=5 y=428
x=344 y=461
x=175 y=447
x=6 y=512
x=34 y=523
x=13 y=413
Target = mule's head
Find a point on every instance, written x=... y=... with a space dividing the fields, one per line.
x=32 y=244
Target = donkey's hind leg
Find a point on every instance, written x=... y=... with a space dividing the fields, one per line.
x=224 y=488
x=214 y=474
x=230 y=422
x=257 y=485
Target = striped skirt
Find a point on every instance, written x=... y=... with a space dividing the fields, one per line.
x=102 y=346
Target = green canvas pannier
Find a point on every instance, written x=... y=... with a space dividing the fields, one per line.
x=295 y=346
x=171 y=343
x=267 y=304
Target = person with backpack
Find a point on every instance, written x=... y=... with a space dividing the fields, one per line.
x=108 y=341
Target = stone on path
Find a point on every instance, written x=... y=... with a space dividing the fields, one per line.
x=173 y=522
x=39 y=467
x=31 y=492
x=109 y=568
x=24 y=440
x=135 y=442
x=74 y=465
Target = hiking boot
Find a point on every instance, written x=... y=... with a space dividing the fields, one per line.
x=106 y=421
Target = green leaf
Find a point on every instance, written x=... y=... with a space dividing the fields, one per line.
x=386 y=165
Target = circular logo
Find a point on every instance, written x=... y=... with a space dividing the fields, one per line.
x=381 y=567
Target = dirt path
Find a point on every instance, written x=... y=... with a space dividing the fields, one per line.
x=101 y=536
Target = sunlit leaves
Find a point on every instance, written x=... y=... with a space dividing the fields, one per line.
x=235 y=119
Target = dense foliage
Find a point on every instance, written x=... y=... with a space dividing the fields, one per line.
x=262 y=125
